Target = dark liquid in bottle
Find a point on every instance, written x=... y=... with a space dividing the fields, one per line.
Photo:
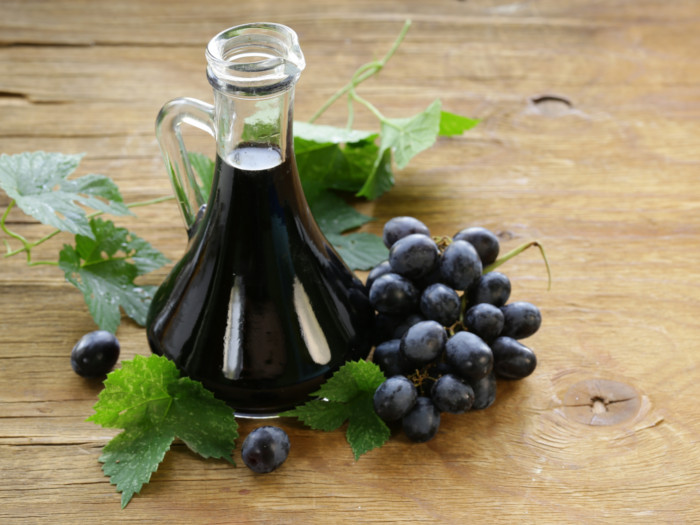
x=260 y=309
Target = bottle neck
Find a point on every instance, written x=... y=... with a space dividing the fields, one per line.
x=254 y=121
x=253 y=69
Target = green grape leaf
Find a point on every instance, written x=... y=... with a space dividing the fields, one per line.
x=341 y=387
x=366 y=430
x=153 y=404
x=132 y=456
x=380 y=180
x=103 y=267
x=334 y=158
x=348 y=396
x=407 y=137
x=38 y=182
x=320 y=414
x=323 y=134
x=333 y=214
x=361 y=250
x=205 y=424
x=138 y=391
x=451 y=124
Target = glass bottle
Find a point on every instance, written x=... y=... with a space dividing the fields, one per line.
x=260 y=309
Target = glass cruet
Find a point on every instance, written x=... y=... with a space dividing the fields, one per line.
x=260 y=308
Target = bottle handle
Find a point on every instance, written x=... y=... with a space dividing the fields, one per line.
x=188 y=191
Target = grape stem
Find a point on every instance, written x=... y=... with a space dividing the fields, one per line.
x=517 y=251
x=27 y=246
x=364 y=72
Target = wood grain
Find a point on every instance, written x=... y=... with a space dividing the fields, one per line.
x=589 y=142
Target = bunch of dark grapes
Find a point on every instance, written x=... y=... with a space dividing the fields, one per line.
x=445 y=330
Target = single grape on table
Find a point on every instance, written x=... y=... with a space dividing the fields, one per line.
x=95 y=354
x=265 y=449
x=444 y=325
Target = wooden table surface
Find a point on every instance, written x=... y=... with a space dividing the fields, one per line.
x=590 y=143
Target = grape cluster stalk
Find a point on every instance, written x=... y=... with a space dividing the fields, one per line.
x=445 y=330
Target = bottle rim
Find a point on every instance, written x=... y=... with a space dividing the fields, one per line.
x=258 y=58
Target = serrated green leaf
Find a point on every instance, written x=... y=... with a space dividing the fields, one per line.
x=104 y=267
x=38 y=183
x=143 y=255
x=403 y=138
x=322 y=163
x=205 y=424
x=361 y=157
x=380 y=180
x=105 y=239
x=320 y=414
x=341 y=386
x=138 y=391
x=367 y=375
x=360 y=251
x=351 y=390
x=154 y=405
x=335 y=158
x=320 y=133
x=334 y=215
x=105 y=287
x=407 y=137
x=130 y=458
x=366 y=430
x=335 y=166
x=452 y=124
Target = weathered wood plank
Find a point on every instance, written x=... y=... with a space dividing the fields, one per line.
x=588 y=143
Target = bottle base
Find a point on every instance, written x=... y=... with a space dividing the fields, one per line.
x=250 y=415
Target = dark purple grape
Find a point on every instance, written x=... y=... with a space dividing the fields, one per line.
x=389 y=358
x=492 y=288
x=468 y=356
x=95 y=354
x=484 y=392
x=512 y=359
x=460 y=266
x=522 y=319
x=423 y=342
x=376 y=272
x=422 y=422
x=484 y=241
x=450 y=394
x=265 y=449
x=414 y=256
x=385 y=325
x=399 y=227
x=484 y=320
x=393 y=294
x=440 y=303
x=407 y=323
x=432 y=278
x=394 y=398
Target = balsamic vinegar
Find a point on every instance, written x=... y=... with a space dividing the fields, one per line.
x=260 y=309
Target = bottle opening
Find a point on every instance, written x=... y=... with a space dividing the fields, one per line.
x=254 y=58
x=251 y=57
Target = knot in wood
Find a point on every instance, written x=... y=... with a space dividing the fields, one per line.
x=552 y=105
x=601 y=402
